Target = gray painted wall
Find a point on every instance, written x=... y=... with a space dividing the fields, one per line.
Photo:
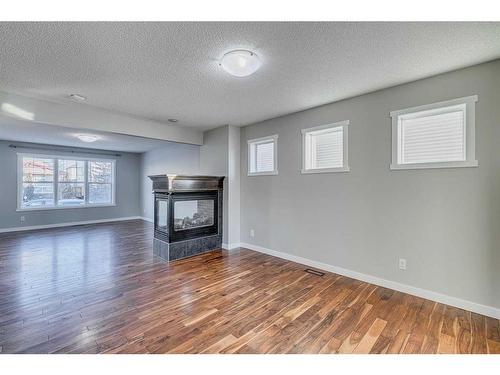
x=234 y=178
x=127 y=192
x=175 y=158
x=445 y=222
x=214 y=161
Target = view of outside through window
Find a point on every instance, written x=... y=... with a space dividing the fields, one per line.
x=71 y=188
x=100 y=180
x=38 y=182
x=71 y=185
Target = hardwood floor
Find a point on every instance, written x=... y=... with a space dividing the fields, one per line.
x=98 y=289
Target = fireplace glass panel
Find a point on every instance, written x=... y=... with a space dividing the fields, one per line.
x=191 y=214
x=161 y=212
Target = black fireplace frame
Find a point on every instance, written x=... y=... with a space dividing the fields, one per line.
x=170 y=244
x=173 y=235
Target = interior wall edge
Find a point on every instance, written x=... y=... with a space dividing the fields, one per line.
x=231 y=246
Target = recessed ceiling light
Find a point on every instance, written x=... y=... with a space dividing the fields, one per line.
x=172 y=120
x=87 y=137
x=240 y=63
x=78 y=97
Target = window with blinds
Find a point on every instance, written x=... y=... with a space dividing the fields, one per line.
x=325 y=148
x=262 y=156
x=430 y=138
x=437 y=135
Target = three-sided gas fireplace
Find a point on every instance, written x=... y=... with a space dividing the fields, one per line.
x=187 y=215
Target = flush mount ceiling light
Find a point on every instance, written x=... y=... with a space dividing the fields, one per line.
x=78 y=97
x=87 y=137
x=240 y=63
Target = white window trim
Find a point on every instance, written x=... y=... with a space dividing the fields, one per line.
x=345 y=167
x=470 y=134
x=55 y=182
x=274 y=139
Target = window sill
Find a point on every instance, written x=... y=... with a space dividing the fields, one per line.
x=64 y=207
x=273 y=173
x=326 y=170
x=462 y=164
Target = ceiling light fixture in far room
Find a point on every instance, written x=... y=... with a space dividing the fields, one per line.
x=172 y=120
x=87 y=137
x=78 y=97
x=240 y=63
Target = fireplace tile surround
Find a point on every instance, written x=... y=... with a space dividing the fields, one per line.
x=193 y=228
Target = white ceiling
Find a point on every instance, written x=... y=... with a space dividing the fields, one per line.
x=26 y=131
x=170 y=70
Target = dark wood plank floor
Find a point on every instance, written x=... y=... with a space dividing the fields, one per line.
x=98 y=289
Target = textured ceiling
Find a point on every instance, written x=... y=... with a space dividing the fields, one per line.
x=27 y=131
x=170 y=70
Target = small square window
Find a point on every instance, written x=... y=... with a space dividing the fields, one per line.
x=438 y=135
x=262 y=156
x=324 y=148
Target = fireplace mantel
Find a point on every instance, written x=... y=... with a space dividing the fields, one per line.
x=167 y=183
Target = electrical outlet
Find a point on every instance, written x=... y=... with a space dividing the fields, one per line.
x=22 y=219
x=252 y=233
x=402 y=264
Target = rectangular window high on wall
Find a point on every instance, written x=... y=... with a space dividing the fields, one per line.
x=324 y=148
x=439 y=135
x=54 y=182
x=262 y=156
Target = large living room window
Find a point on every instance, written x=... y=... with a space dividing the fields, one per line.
x=47 y=182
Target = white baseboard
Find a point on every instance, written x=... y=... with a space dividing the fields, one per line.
x=68 y=224
x=146 y=219
x=232 y=246
x=423 y=293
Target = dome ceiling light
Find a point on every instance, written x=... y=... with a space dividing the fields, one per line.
x=240 y=63
x=87 y=137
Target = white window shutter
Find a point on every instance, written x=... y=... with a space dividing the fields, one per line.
x=327 y=149
x=262 y=154
x=265 y=157
x=432 y=138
